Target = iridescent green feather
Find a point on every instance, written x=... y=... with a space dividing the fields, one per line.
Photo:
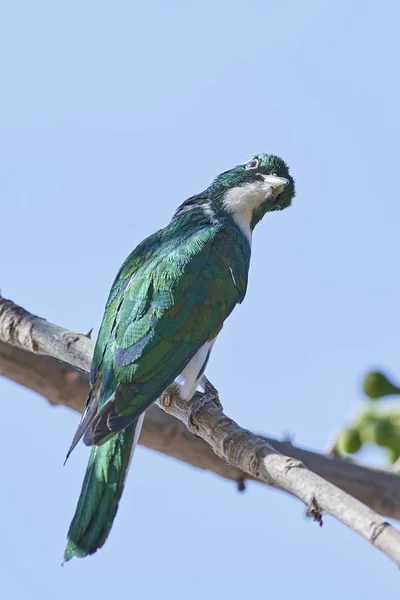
x=171 y=295
x=161 y=309
x=185 y=307
x=101 y=491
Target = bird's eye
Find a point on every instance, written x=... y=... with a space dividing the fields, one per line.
x=252 y=164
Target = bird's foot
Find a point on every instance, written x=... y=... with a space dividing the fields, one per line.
x=210 y=392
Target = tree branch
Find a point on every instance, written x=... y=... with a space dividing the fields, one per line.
x=30 y=351
x=63 y=384
x=255 y=456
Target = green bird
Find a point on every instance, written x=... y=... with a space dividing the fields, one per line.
x=164 y=312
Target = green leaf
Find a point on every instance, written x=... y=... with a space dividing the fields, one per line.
x=349 y=441
x=377 y=385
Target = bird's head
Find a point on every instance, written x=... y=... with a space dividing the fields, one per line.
x=262 y=184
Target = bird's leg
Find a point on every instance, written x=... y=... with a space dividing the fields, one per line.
x=210 y=394
x=208 y=386
x=195 y=404
x=210 y=391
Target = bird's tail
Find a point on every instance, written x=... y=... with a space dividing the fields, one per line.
x=101 y=491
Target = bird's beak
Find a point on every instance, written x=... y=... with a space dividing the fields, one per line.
x=277 y=183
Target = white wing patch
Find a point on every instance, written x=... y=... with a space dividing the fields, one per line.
x=138 y=429
x=188 y=380
x=233 y=278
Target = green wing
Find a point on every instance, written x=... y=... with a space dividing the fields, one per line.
x=171 y=296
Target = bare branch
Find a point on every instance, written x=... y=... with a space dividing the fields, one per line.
x=63 y=384
x=255 y=456
x=30 y=351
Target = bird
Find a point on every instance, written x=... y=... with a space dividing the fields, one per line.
x=166 y=307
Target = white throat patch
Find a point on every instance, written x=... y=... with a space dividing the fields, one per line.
x=243 y=200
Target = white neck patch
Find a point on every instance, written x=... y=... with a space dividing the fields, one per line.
x=243 y=200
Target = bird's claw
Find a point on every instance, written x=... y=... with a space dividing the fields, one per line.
x=210 y=391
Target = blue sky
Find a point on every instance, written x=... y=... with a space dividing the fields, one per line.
x=111 y=114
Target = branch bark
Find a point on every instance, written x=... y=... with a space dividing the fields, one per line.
x=30 y=353
x=255 y=456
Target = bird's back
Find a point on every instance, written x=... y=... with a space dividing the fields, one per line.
x=172 y=295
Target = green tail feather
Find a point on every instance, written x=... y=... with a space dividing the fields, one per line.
x=101 y=491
